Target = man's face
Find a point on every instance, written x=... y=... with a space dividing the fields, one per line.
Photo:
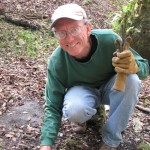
x=77 y=46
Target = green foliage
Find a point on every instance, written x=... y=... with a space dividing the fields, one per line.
x=71 y=142
x=1 y=143
x=123 y=19
x=134 y=20
x=146 y=102
x=25 y=42
x=143 y=146
x=119 y=3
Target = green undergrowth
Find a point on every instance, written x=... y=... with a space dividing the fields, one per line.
x=143 y=146
x=123 y=18
x=19 y=41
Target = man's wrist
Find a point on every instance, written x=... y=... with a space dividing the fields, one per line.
x=45 y=148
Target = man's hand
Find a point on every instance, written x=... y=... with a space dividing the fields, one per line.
x=45 y=148
x=124 y=62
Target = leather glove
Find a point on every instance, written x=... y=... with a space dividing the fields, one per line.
x=124 y=62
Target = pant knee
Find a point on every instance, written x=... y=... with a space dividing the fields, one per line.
x=72 y=111
x=79 y=104
x=133 y=83
x=78 y=113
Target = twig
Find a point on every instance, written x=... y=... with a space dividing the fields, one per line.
x=35 y=16
x=143 y=109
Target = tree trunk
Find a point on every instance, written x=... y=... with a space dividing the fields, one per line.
x=140 y=32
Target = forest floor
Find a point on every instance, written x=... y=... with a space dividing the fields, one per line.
x=22 y=83
x=22 y=107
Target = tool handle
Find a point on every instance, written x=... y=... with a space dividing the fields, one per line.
x=120 y=81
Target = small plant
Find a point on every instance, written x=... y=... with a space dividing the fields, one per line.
x=123 y=19
x=143 y=146
x=1 y=144
x=71 y=142
x=145 y=102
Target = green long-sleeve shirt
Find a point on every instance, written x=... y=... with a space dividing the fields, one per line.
x=64 y=71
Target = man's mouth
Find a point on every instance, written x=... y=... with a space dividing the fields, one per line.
x=71 y=45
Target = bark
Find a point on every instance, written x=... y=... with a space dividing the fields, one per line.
x=140 y=32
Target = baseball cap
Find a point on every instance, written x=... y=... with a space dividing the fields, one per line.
x=71 y=11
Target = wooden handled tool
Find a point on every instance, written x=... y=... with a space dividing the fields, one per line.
x=120 y=81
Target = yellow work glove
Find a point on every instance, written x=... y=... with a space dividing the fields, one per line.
x=124 y=62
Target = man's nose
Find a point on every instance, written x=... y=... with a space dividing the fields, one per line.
x=69 y=36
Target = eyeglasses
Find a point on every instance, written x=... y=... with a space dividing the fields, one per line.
x=73 y=31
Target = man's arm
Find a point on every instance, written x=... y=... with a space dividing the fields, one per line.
x=143 y=65
x=54 y=93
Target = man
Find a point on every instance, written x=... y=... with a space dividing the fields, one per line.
x=81 y=75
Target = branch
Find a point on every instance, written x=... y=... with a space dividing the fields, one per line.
x=20 y=22
x=143 y=109
x=23 y=23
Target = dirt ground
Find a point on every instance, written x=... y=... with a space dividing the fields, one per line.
x=22 y=83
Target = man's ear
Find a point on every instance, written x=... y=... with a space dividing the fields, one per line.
x=89 y=27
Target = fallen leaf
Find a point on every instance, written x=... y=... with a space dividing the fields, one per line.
x=138 y=125
x=9 y=135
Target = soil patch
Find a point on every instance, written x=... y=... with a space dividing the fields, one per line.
x=29 y=113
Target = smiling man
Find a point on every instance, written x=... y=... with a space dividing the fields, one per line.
x=80 y=77
x=78 y=45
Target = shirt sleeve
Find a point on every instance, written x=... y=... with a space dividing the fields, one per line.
x=54 y=93
x=143 y=65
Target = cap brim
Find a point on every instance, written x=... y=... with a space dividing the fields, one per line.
x=69 y=17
